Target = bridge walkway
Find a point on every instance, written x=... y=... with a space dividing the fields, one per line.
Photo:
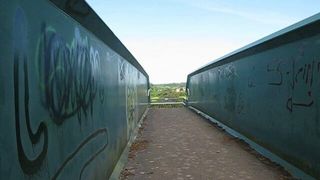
x=176 y=143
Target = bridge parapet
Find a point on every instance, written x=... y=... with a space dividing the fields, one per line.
x=71 y=94
x=268 y=91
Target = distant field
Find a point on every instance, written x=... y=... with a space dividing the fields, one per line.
x=173 y=92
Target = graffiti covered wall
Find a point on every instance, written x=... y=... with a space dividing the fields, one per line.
x=269 y=92
x=69 y=101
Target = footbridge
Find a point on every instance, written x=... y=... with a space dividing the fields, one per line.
x=74 y=104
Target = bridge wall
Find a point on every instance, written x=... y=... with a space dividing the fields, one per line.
x=70 y=92
x=269 y=92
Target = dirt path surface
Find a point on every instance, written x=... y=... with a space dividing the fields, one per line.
x=175 y=143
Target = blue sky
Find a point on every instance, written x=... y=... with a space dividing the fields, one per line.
x=171 y=38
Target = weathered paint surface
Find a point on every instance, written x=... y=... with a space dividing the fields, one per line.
x=68 y=100
x=269 y=92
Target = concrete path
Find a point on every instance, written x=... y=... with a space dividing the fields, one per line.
x=176 y=143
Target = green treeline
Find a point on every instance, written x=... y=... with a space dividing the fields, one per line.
x=168 y=92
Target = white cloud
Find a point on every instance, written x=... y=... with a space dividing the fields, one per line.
x=172 y=59
x=258 y=15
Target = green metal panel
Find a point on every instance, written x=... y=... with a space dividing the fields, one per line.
x=70 y=95
x=269 y=92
